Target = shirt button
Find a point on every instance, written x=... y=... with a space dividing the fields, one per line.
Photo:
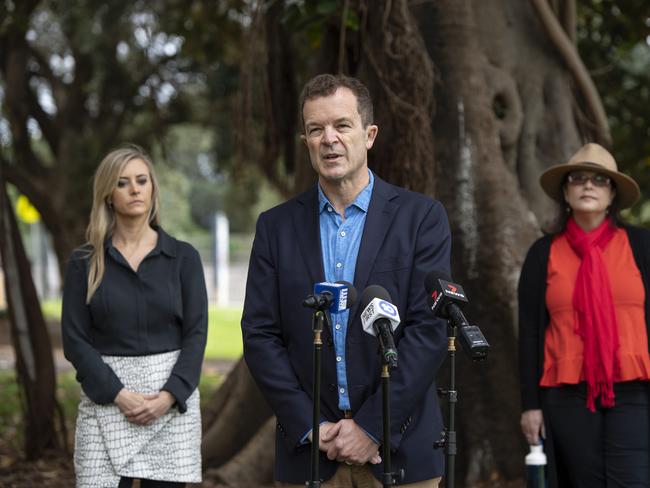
x=338 y=265
x=337 y=326
x=341 y=390
x=338 y=359
x=329 y=209
x=342 y=233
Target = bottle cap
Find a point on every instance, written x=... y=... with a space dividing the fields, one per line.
x=536 y=456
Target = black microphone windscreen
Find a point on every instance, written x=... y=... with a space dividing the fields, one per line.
x=431 y=279
x=374 y=291
x=352 y=292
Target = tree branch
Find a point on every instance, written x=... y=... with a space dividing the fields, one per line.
x=577 y=68
x=48 y=126
x=22 y=148
x=569 y=19
x=44 y=70
x=75 y=110
x=114 y=121
x=19 y=99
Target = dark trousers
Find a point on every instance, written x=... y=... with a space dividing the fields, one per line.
x=128 y=482
x=607 y=448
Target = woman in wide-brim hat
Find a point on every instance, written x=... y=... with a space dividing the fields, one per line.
x=584 y=324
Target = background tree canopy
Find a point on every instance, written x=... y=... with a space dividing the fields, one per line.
x=613 y=42
x=473 y=100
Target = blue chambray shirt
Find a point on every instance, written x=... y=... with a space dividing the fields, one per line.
x=340 y=240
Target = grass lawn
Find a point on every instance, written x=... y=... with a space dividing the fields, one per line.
x=224 y=333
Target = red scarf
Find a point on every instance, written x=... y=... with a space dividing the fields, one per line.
x=594 y=307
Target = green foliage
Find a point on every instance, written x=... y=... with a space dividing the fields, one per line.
x=202 y=185
x=67 y=394
x=613 y=40
x=245 y=196
x=11 y=413
x=175 y=190
x=11 y=408
x=311 y=17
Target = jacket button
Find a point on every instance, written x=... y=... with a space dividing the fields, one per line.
x=330 y=342
x=332 y=387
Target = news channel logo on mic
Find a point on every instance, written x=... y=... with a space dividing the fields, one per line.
x=343 y=298
x=337 y=294
x=388 y=308
x=379 y=308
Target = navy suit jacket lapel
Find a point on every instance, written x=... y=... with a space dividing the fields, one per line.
x=381 y=213
x=307 y=230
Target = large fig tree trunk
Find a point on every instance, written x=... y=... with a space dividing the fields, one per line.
x=234 y=415
x=504 y=111
x=491 y=226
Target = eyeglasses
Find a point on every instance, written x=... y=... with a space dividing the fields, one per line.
x=578 y=179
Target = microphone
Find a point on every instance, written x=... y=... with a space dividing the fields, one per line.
x=380 y=318
x=334 y=297
x=444 y=298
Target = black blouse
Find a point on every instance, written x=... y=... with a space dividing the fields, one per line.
x=160 y=308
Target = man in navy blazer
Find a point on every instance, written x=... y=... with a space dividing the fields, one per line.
x=353 y=226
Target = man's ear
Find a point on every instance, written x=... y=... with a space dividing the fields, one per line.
x=371 y=135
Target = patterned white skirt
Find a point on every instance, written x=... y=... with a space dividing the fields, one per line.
x=108 y=446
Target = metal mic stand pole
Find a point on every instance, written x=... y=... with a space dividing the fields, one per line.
x=385 y=390
x=449 y=440
x=389 y=478
x=317 y=326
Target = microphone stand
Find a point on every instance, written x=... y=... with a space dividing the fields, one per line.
x=318 y=318
x=448 y=440
x=389 y=478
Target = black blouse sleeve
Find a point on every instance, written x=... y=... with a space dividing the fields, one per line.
x=533 y=319
x=187 y=370
x=97 y=379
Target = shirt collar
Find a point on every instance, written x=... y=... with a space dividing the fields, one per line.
x=166 y=244
x=362 y=202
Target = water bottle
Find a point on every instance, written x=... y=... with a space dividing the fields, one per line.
x=536 y=467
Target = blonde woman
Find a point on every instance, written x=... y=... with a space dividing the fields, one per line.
x=134 y=326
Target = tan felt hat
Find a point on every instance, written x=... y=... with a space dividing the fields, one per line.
x=591 y=157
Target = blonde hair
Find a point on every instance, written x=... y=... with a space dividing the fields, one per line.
x=102 y=219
